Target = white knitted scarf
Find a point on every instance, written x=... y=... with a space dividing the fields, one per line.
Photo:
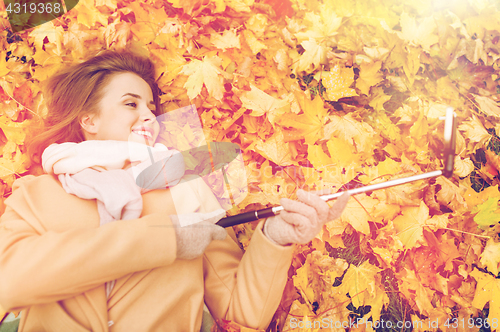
x=115 y=173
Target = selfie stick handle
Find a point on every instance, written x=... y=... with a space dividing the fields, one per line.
x=269 y=212
x=449 y=155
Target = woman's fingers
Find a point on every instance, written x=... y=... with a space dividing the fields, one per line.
x=316 y=202
x=296 y=228
x=300 y=208
x=310 y=205
x=301 y=220
x=296 y=219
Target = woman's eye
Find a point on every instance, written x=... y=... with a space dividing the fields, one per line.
x=131 y=104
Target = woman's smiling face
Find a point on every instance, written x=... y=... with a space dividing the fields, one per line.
x=126 y=112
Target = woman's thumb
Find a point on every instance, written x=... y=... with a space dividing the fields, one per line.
x=339 y=206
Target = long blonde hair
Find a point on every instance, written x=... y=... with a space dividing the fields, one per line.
x=77 y=91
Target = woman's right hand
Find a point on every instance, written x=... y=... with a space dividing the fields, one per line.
x=195 y=231
x=301 y=220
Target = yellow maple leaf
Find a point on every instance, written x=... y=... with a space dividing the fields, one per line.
x=435 y=110
x=144 y=31
x=383 y=212
x=378 y=98
x=12 y=164
x=88 y=14
x=155 y=15
x=335 y=177
x=447 y=89
x=322 y=26
x=383 y=169
x=240 y=5
x=228 y=39
x=206 y=72
x=140 y=12
x=14 y=131
x=253 y=42
x=413 y=289
x=357 y=212
x=422 y=34
x=351 y=130
x=313 y=56
x=479 y=24
x=491 y=256
x=258 y=24
x=487 y=290
x=275 y=150
x=111 y=4
x=262 y=103
x=369 y=76
x=311 y=122
x=359 y=282
x=405 y=194
x=301 y=282
x=343 y=153
x=384 y=254
x=187 y=5
x=409 y=225
x=274 y=188
x=170 y=61
x=318 y=157
x=473 y=198
x=4 y=69
x=450 y=195
x=386 y=127
x=311 y=177
x=21 y=50
x=419 y=128
x=411 y=63
x=337 y=83
x=487 y=105
x=474 y=130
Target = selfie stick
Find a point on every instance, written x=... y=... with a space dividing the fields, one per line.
x=450 y=128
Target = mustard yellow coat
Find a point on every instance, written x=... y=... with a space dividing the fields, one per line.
x=55 y=261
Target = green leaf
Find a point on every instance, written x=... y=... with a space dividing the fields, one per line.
x=488 y=213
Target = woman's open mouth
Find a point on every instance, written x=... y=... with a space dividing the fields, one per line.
x=145 y=133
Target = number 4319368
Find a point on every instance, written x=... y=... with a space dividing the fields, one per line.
x=471 y=322
x=34 y=8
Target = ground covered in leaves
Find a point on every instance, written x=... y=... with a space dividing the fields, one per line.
x=320 y=94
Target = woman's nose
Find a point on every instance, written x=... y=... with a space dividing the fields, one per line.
x=148 y=115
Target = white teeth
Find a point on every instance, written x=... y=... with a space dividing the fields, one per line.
x=143 y=133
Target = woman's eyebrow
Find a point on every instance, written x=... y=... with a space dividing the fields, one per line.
x=138 y=97
x=132 y=95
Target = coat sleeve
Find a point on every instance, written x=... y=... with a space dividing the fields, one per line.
x=245 y=288
x=41 y=266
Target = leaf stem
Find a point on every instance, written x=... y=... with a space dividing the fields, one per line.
x=456 y=230
x=14 y=99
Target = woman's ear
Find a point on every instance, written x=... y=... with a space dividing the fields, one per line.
x=90 y=124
